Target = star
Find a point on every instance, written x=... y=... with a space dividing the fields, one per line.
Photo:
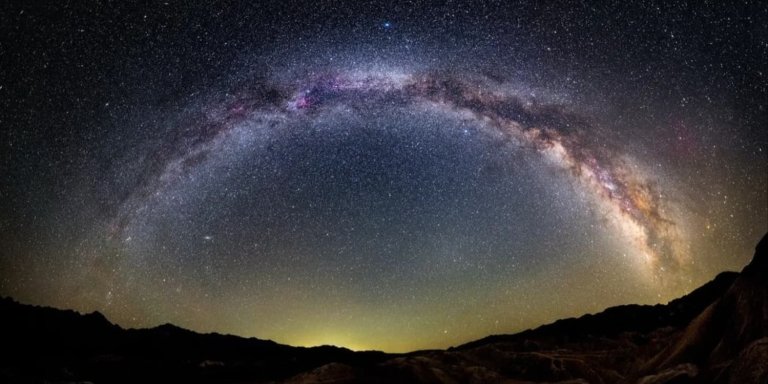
x=369 y=175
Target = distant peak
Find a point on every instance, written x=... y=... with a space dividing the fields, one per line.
x=97 y=315
x=169 y=326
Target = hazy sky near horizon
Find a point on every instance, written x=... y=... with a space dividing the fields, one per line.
x=377 y=175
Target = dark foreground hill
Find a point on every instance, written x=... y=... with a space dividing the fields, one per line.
x=716 y=334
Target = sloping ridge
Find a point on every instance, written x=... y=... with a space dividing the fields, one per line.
x=730 y=331
x=624 y=318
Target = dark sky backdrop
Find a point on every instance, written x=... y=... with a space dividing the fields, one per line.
x=377 y=175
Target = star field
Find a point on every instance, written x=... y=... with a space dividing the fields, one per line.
x=377 y=176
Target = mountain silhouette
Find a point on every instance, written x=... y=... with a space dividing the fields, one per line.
x=716 y=334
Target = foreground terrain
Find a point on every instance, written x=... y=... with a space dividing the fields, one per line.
x=716 y=334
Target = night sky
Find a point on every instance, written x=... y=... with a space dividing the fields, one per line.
x=389 y=176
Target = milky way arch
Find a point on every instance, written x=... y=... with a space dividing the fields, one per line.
x=631 y=201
